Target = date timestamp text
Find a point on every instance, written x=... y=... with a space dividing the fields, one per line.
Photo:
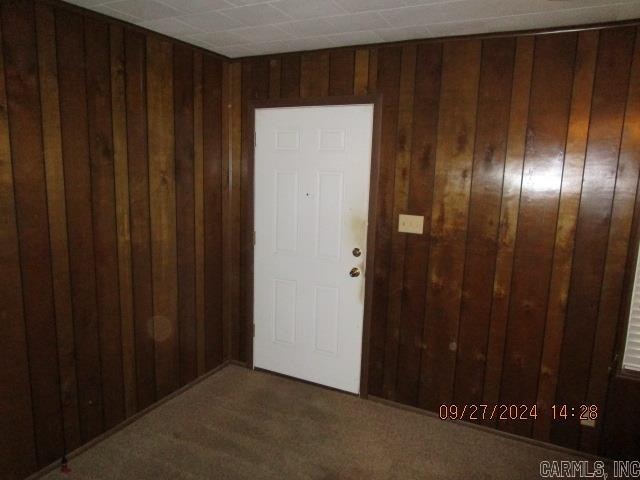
x=471 y=412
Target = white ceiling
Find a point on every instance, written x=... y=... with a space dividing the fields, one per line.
x=238 y=28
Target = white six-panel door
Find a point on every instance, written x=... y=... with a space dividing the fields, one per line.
x=312 y=167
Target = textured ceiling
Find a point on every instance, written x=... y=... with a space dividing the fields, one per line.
x=238 y=28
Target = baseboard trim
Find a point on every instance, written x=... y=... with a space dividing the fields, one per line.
x=82 y=448
x=494 y=431
x=238 y=363
x=390 y=403
x=420 y=411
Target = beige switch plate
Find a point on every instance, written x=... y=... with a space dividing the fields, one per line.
x=411 y=224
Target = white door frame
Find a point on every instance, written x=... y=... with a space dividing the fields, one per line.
x=247 y=250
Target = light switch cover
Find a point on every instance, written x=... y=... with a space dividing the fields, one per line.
x=411 y=224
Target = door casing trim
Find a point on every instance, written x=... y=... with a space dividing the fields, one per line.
x=247 y=258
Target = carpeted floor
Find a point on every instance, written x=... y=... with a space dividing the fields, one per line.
x=241 y=424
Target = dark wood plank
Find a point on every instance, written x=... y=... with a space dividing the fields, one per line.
x=246 y=197
x=162 y=203
x=229 y=340
x=136 y=95
x=121 y=175
x=404 y=137
x=388 y=81
x=341 y=72
x=314 y=74
x=185 y=209
x=416 y=254
x=198 y=173
x=105 y=237
x=618 y=248
x=594 y=218
x=548 y=117
x=565 y=230
x=275 y=71
x=520 y=96
x=254 y=86
x=622 y=420
x=492 y=118
x=452 y=186
x=211 y=127
x=361 y=71
x=232 y=145
x=52 y=142
x=17 y=443
x=77 y=175
x=235 y=225
x=372 y=85
x=25 y=129
x=290 y=76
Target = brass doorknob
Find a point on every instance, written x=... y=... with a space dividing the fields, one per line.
x=355 y=272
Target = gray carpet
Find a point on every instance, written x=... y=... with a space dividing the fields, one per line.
x=241 y=424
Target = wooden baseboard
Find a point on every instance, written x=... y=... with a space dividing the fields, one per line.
x=531 y=441
x=238 y=363
x=494 y=431
x=49 y=468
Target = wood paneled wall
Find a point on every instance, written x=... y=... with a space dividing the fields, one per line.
x=522 y=152
x=111 y=194
x=126 y=239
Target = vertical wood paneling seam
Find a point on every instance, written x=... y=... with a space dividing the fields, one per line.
x=115 y=222
x=145 y=91
x=613 y=199
x=47 y=15
x=133 y=46
x=517 y=231
x=126 y=150
x=428 y=266
x=152 y=320
x=19 y=248
x=597 y=310
x=406 y=96
x=75 y=353
x=93 y=237
x=195 y=213
x=178 y=331
x=569 y=434
x=44 y=169
x=466 y=239
x=20 y=322
x=619 y=315
x=177 y=354
x=225 y=189
x=500 y=205
x=540 y=429
x=225 y=106
x=553 y=251
x=235 y=139
x=517 y=228
x=199 y=211
x=548 y=125
x=26 y=337
x=380 y=201
x=573 y=253
x=130 y=399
